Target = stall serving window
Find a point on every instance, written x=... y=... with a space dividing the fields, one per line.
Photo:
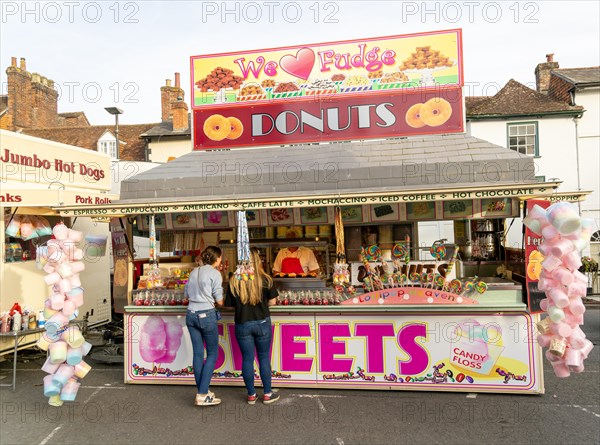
x=24 y=233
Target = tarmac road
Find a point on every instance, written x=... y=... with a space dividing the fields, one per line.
x=109 y=412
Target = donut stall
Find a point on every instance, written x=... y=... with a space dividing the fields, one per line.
x=381 y=221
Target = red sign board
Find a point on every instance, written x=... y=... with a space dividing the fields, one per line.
x=533 y=261
x=374 y=116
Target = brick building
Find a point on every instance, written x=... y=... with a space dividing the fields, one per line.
x=172 y=137
x=31 y=107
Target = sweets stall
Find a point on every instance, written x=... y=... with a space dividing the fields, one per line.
x=38 y=174
x=406 y=336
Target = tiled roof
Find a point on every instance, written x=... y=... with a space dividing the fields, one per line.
x=472 y=101
x=71 y=114
x=87 y=137
x=580 y=77
x=165 y=128
x=73 y=119
x=403 y=164
x=515 y=99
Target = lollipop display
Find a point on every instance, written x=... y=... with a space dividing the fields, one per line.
x=372 y=253
x=565 y=235
x=438 y=250
x=439 y=281
x=415 y=278
x=65 y=344
x=451 y=264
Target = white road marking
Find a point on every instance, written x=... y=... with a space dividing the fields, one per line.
x=321 y=406
x=93 y=394
x=339 y=441
x=285 y=401
x=49 y=436
x=471 y=396
x=586 y=410
x=582 y=408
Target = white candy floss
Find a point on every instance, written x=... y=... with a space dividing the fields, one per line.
x=564 y=234
x=65 y=344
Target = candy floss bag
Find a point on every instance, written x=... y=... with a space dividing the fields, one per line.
x=42 y=226
x=476 y=347
x=13 y=228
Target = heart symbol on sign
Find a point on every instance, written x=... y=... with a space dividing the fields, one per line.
x=299 y=65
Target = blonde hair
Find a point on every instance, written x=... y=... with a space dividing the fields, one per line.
x=251 y=291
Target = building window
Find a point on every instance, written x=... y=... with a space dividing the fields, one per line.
x=109 y=148
x=523 y=138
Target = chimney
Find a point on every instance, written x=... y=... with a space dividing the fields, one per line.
x=32 y=99
x=168 y=96
x=542 y=73
x=179 y=110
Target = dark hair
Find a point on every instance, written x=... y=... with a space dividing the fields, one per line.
x=210 y=255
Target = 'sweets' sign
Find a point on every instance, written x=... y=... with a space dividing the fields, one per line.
x=460 y=352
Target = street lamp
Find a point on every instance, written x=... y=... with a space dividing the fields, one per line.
x=116 y=111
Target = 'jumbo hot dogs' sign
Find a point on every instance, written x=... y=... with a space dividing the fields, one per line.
x=345 y=118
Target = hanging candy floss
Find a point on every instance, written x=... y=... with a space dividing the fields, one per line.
x=65 y=344
x=244 y=270
x=565 y=234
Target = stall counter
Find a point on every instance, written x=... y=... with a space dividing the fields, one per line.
x=448 y=348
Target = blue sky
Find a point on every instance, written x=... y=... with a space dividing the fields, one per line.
x=120 y=53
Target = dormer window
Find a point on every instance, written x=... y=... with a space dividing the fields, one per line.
x=107 y=144
x=108 y=147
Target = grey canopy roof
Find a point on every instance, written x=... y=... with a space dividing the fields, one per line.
x=431 y=162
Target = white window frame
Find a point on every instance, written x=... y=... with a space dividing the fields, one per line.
x=108 y=147
x=518 y=137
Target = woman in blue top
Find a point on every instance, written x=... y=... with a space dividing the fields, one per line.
x=204 y=290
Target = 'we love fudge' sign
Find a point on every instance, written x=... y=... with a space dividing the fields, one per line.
x=331 y=69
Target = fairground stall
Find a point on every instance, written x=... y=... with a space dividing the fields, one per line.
x=396 y=337
x=37 y=175
x=386 y=310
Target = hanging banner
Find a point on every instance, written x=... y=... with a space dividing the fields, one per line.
x=333 y=69
x=375 y=116
x=533 y=261
x=121 y=265
x=515 y=190
x=474 y=352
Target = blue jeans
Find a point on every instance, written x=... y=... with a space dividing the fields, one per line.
x=255 y=334
x=203 y=329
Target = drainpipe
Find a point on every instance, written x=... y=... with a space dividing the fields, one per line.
x=576 y=120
